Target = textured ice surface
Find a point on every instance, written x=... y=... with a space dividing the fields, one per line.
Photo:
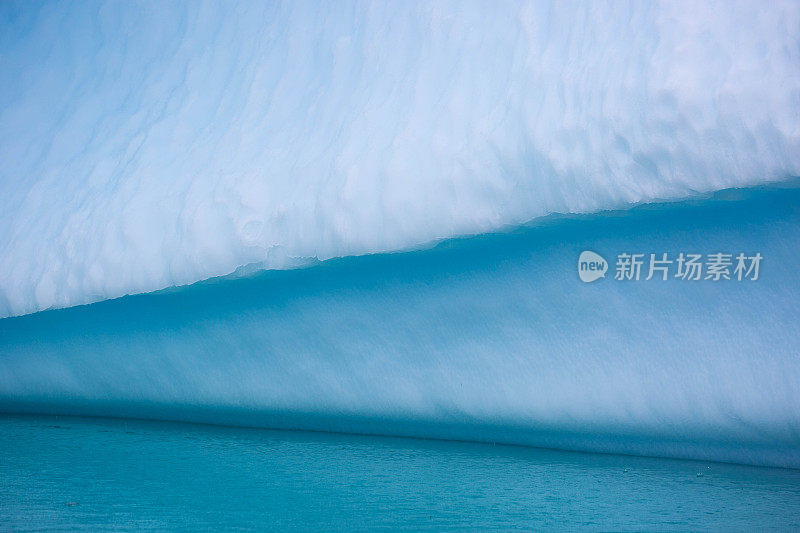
x=489 y=338
x=147 y=145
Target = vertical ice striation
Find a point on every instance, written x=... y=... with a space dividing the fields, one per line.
x=148 y=145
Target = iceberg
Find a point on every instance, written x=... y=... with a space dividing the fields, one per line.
x=491 y=338
x=367 y=217
x=147 y=148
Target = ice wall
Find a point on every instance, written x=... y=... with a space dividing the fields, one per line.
x=491 y=338
x=146 y=145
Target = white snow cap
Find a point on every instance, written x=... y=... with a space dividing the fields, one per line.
x=146 y=145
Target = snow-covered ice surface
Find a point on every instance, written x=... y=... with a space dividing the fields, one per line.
x=146 y=145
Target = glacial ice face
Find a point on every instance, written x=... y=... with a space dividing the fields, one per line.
x=145 y=146
x=491 y=338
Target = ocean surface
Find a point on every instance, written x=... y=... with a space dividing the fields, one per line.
x=67 y=473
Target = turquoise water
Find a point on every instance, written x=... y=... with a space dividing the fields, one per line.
x=65 y=472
